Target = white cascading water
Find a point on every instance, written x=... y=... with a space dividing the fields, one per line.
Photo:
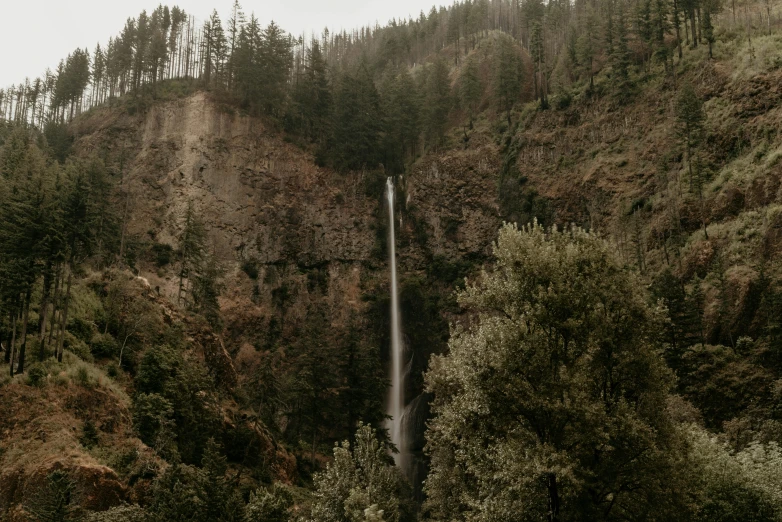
x=396 y=399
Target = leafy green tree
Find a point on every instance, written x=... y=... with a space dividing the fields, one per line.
x=733 y=487
x=271 y=504
x=684 y=326
x=357 y=480
x=214 y=50
x=553 y=402
x=121 y=513
x=708 y=27
x=177 y=495
x=185 y=385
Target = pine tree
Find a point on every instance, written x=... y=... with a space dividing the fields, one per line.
x=356 y=138
x=235 y=26
x=507 y=75
x=275 y=60
x=620 y=59
x=470 y=88
x=192 y=252
x=437 y=101
x=690 y=119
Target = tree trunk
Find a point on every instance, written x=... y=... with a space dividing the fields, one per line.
x=12 y=348
x=678 y=31
x=693 y=29
x=25 y=320
x=61 y=338
x=553 y=498
x=11 y=317
x=47 y=283
x=122 y=235
x=55 y=301
x=122 y=349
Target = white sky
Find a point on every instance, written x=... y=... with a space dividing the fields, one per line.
x=36 y=34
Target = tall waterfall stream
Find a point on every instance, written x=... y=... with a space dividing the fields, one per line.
x=396 y=399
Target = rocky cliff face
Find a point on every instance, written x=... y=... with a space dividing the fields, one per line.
x=266 y=204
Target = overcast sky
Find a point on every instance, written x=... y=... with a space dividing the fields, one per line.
x=35 y=35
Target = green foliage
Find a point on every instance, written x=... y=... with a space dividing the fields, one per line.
x=552 y=393
x=58 y=139
x=121 y=513
x=355 y=142
x=178 y=495
x=743 y=486
x=470 y=88
x=162 y=254
x=197 y=494
x=724 y=384
x=36 y=375
x=507 y=79
x=104 y=346
x=357 y=480
x=173 y=388
x=685 y=325
x=437 y=101
x=150 y=413
x=271 y=504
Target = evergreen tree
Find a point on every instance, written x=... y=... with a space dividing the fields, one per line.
x=437 y=101
x=357 y=121
x=470 y=88
x=620 y=58
x=690 y=118
x=507 y=75
x=192 y=251
x=402 y=127
x=275 y=64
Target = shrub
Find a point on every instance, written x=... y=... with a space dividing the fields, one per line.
x=36 y=375
x=162 y=254
x=123 y=513
x=269 y=505
x=104 y=346
x=82 y=376
x=89 y=434
x=250 y=267
x=81 y=329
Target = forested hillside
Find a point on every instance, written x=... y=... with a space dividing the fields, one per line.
x=194 y=279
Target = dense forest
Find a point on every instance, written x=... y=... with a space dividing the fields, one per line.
x=619 y=361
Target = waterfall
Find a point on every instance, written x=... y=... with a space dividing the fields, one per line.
x=396 y=398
